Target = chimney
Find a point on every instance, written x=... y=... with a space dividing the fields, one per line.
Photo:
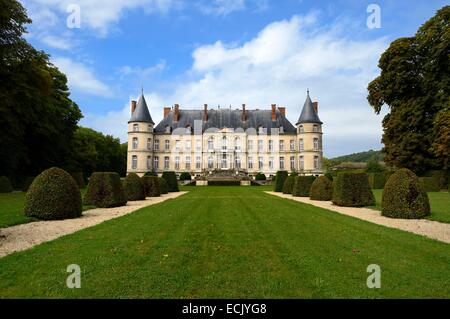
x=274 y=109
x=316 y=107
x=205 y=112
x=176 y=115
x=282 y=110
x=133 y=106
x=166 y=111
x=244 y=113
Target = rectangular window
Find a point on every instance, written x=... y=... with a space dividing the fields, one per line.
x=177 y=163
x=167 y=145
x=135 y=143
x=187 y=163
x=224 y=161
x=238 y=162
x=135 y=127
x=271 y=163
x=316 y=162
x=150 y=128
x=270 y=146
x=282 y=163
x=292 y=160
x=292 y=145
x=198 y=146
x=260 y=146
x=166 y=162
x=134 y=162
x=156 y=145
x=315 y=128
x=260 y=163
x=224 y=143
x=316 y=143
x=250 y=163
x=187 y=146
x=281 y=145
x=198 y=162
x=302 y=162
x=301 y=146
x=149 y=143
x=250 y=145
x=156 y=162
x=149 y=162
x=210 y=144
x=177 y=146
x=210 y=162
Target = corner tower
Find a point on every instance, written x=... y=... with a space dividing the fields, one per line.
x=140 y=138
x=309 y=136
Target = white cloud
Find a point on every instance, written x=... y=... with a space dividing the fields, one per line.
x=222 y=7
x=140 y=72
x=81 y=78
x=57 y=42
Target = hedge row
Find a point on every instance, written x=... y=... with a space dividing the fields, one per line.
x=224 y=183
x=151 y=186
x=163 y=185
x=321 y=189
x=352 y=190
x=133 y=187
x=5 y=185
x=377 y=180
x=185 y=176
x=302 y=186
x=280 y=178
x=171 y=179
x=288 y=185
x=260 y=177
x=105 y=190
x=429 y=184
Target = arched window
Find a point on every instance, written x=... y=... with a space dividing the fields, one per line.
x=134 y=162
x=135 y=143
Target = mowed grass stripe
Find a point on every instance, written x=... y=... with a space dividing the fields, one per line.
x=231 y=242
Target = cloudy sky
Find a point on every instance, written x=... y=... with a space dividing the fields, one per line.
x=225 y=52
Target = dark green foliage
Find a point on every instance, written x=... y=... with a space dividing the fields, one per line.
x=280 y=178
x=5 y=185
x=163 y=185
x=224 y=183
x=321 y=189
x=151 y=186
x=377 y=180
x=185 y=176
x=403 y=197
x=442 y=177
x=171 y=179
x=260 y=177
x=441 y=137
x=105 y=190
x=329 y=176
x=361 y=157
x=53 y=194
x=79 y=179
x=374 y=167
x=302 y=186
x=352 y=190
x=151 y=174
x=133 y=187
x=289 y=185
x=27 y=183
x=429 y=184
x=293 y=174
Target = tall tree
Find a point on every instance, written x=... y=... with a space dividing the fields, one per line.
x=415 y=84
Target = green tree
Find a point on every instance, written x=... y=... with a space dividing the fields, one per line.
x=415 y=84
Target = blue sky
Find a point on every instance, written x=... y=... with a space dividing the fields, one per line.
x=226 y=52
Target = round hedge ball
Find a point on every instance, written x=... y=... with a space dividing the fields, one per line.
x=403 y=196
x=54 y=194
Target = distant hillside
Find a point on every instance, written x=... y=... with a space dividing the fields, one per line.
x=361 y=157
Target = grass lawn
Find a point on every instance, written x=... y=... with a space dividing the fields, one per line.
x=439 y=202
x=231 y=242
x=11 y=209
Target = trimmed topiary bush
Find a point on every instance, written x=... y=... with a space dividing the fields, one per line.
x=403 y=196
x=288 y=185
x=27 y=183
x=280 y=178
x=163 y=185
x=171 y=179
x=133 y=187
x=105 y=190
x=302 y=186
x=151 y=186
x=150 y=174
x=5 y=185
x=185 y=176
x=377 y=180
x=54 y=194
x=260 y=177
x=352 y=190
x=79 y=179
x=321 y=189
x=429 y=184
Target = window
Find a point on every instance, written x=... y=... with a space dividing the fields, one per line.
x=211 y=143
x=210 y=162
x=134 y=162
x=198 y=162
x=167 y=129
x=270 y=163
x=282 y=163
x=188 y=129
x=177 y=163
x=150 y=128
x=301 y=146
x=270 y=146
x=250 y=145
x=177 y=146
x=316 y=143
x=260 y=130
x=316 y=128
x=149 y=143
x=224 y=143
x=238 y=144
x=187 y=146
x=316 y=162
x=250 y=163
x=224 y=161
x=302 y=162
x=301 y=129
x=238 y=162
x=167 y=145
x=156 y=162
x=149 y=162
x=135 y=127
x=281 y=145
x=135 y=143
x=166 y=162
x=187 y=163
x=198 y=146
x=292 y=160
x=156 y=145
x=292 y=145
x=260 y=163
x=260 y=146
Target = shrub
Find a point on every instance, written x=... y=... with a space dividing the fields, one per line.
x=151 y=186
x=293 y=174
x=53 y=194
x=429 y=184
x=329 y=176
x=105 y=190
x=79 y=179
x=150 y=174
x=377 y=180
x=442 y=177
x=302 y=185
x=27 y=183
x=321 y=189
x=185 y=176
x=224 y=183
x=403 y=197
x=171 y=179
x=133 y=187
x=288 y=185
x=280 y=178
x=260 y=177
x=374 y=167
x=5 y=185
x=352 y=190
x=163 y=185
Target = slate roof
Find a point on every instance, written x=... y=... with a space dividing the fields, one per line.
x=309 y=114
x=227 y=118
x=141 y=113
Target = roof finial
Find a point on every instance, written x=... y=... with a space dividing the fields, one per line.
x=142 y=89
x=307 y=91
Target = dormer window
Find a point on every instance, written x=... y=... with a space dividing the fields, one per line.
x=135 y=127
x=188 y=129
x=167 y=129
x=281 y=130
x=260 y=129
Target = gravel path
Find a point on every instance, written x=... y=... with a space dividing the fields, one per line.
x=424 y=227
x=25 y=236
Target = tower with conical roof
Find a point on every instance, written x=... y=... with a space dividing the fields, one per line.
x=140 y=138
x=309 y=136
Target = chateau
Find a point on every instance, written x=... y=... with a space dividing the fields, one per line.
x=249 y=141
